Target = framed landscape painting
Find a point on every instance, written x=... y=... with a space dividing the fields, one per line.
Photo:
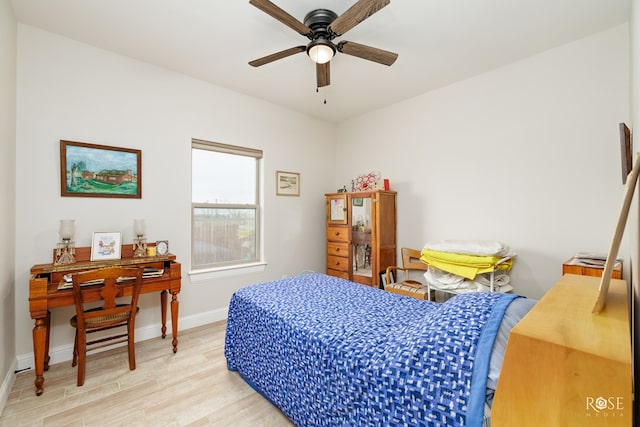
x=90 y=170
x=287 y=183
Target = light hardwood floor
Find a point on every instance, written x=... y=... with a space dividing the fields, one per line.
x=190 y=388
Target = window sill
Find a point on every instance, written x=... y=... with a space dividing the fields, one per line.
x=221 y=272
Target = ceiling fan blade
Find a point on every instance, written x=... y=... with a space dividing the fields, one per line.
x=274 y=11
x=367 y=52
x=357 y=13
x=277 y=55
x=323 y=74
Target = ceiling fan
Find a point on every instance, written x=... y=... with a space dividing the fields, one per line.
x=322 y=26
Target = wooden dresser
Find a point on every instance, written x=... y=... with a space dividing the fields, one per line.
x=567 y=366
x=361 y=235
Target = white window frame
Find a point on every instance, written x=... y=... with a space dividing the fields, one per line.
x=239 y=266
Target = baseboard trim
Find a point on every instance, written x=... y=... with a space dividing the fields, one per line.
x=63 y=353
x=7 y=385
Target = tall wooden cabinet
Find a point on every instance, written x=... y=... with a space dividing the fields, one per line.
x=361 y=235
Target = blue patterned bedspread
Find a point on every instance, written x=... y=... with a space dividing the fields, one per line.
x=329 y=352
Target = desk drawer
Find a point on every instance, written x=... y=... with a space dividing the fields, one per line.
x=338 y=249
x=337 y=263
x=338 y=234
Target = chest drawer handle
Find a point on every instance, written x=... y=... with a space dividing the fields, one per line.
x=337 y=233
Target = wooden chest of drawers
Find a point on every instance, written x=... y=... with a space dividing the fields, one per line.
x=361 y=235
x=338 y=251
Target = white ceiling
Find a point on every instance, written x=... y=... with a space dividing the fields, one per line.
x=438 y=42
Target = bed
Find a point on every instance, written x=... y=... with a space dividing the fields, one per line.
x=330 y=352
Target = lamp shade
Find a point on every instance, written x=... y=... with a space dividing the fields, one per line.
x=320 y=52
x=138 y=227
x=67 y=229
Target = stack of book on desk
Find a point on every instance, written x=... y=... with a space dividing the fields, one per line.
x=67 y=282
x=590 y=259
x=149 y=272
x=152 y=272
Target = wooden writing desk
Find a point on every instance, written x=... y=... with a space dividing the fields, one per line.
x=45 y=295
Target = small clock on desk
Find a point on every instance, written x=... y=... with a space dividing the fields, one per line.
x=162 y=247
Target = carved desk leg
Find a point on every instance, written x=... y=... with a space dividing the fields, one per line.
x=47 y=358
x=174 y=320
x=39 y=348
x=163 y=308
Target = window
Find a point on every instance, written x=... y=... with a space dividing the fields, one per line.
x=225 y=209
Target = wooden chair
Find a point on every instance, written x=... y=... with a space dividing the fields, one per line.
x=403 y=284
x=110 y=285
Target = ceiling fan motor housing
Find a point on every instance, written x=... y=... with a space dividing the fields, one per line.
x=318 y=21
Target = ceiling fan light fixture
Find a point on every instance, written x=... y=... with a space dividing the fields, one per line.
x=321 y=51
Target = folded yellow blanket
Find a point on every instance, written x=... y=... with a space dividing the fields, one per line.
x=468 y=266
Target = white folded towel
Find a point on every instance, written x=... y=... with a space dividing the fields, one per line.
x=441 y=280
x=470 y=247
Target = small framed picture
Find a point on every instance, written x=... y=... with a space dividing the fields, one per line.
x=162 y=247
x=383 y=278
x=626 y=148
x=287 y=183
x=106 y=245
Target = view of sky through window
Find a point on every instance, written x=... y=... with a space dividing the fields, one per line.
x=223 y=178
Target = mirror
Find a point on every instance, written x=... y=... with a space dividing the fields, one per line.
x=361 y=235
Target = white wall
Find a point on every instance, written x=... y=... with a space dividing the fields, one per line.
x=69 y=90
x=7 y=195
x=527 y=154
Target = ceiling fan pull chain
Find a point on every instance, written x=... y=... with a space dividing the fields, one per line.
x=324 y=93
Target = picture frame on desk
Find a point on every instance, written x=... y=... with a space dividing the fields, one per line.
x=106 y=245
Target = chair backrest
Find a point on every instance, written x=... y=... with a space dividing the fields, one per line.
x=110 y=283
x=411 y=259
